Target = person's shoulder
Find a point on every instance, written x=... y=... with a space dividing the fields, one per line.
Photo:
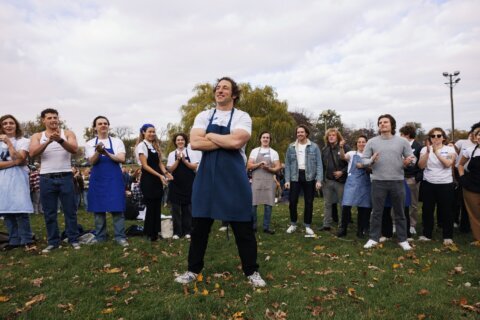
x=91 y=142
x=69 y=133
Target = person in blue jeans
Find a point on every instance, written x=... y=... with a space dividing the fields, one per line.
x=55 y=147
x=303 y=171
x=106 y=187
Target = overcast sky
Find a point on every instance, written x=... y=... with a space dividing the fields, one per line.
x=138 y=61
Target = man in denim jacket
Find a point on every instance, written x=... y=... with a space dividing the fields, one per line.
x=303 y=171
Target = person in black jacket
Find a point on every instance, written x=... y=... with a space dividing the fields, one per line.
x=335 y=174
x=413 y=175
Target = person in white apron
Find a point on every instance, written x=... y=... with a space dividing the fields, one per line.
x=106 y=188
x=15 y=204
x=264 y=162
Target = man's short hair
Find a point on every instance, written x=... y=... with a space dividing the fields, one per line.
x=235 y=89
x=304 y=126
x=409 y=131
x=48 y=110
x=474 y=126
x=393 y=123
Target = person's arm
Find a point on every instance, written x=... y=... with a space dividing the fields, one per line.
x=287 y=170
x=276 y=166
x=173 y=161
x=343 y=154
x=9 y=163
x=165 y=171
x=448 y=160
x=118 y=157
x=198 y=141
x=235 y=140
x=461 y=166
x=369 y=157
x=69 y=144
x=192 y=166
x=146 y=167
x=36 y=148
x=319 y=169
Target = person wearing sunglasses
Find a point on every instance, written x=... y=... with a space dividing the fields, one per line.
x=437 y=159
x=470 y=181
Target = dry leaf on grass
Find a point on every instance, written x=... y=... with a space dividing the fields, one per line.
x=143 y=269
x=128 y=300
x=423 y=292
x=352 y=293
x=66 y=307
x=107 y=311
x=4 y=299
x=275 y=315
x=37 y=282
x=112 y=270
x=238 y=315
x=421 y=316
x=36 y=299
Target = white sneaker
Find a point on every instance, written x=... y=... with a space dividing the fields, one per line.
x=187 y=277
x=383 y=239
x=175 y=237
x=256 y=280
x=423 y=238
x=76 y=245
x=123 y=243
x=394 y=229
x=187 y=236
x=405 y=245
x=292 y=229
x=447 y=242
x=370 y=244
x=309 y=231
x=49 y=248
x=223 y=228
x=413 y=231
x=455 y=225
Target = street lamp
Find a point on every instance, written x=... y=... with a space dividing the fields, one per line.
x=326 y=115
x=452 y=82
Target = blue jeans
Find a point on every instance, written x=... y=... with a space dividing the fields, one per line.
x=19 y=231
x=85 y=199
x=267 y=216
x=52 y=190
x=101 y=226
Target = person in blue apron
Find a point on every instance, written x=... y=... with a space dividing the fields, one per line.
x=15 y=203
x=106 y=189
x=264 y=162
x=357 y=190
x=221 y=190
x=154 y=178
x=182 y=166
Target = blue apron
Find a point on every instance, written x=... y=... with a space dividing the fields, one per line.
x=106 y=191
x=221 y=189
x=357 y=188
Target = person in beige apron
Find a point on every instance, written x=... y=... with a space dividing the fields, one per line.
x=263 y=162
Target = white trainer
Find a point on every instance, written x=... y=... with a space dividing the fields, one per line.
x=222 y=228
x=256 y=280
x=405 y=245
x=187 y=277
x=309 y=231
x=383 y=239
x=175 y=237
x=424 y=239
x=447 y=242
x=370 y=244
x=412 y=230
x=291 y=229
x=187 y=236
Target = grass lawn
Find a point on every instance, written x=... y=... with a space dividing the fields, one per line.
x=307 y=278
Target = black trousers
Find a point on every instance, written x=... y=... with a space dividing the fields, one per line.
x=152 y=224
x=182 y=219
x=308 y=188
x=363 y=218
x=244 y=237
x=441 y=195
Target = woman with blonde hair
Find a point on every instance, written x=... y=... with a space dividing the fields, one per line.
x=154 y=177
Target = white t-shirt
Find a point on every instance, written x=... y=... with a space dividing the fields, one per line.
x=468 y=154
x=266 y=152
x=300 y=149
x=191 y=153
x=141 y=148
x=117 y=146
x=21 y=144
x=462 y=146
x=240 y=120
x=350 y=155
x=435 y=172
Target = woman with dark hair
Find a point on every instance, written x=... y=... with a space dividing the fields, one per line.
x=154 y=177
x=437 y=160
x=182 y=165
x=106 y=189
x=357 y=190
x=470 y=181
x=15 y=203
x=264 y=162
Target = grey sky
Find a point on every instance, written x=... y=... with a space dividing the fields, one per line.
x=138 y=61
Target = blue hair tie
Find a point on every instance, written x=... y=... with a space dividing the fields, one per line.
x=146 y=126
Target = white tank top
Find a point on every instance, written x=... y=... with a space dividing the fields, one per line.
x=55 y=158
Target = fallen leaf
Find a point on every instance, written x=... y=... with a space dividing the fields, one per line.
x=185 y=291
x=36 y=299
x=117 y=289
x=238 y=315
x=112 y=270
x=66 y=307
x=421 y=316
x=423 y=292
x=143 y=269
x=37 y=282
x=221 y=294
x=128 y=300
x=200 y=277
x=319 y=248
x=205 y=292
x=107 y=310
x=4 y=298
x=397 y=265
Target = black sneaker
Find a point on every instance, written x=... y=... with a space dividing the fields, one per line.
x=268 y=231
x=325 y=228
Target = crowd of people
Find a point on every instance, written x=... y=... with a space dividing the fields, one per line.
x=209 y=177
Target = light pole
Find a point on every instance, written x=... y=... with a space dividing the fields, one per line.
x=452 y=82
